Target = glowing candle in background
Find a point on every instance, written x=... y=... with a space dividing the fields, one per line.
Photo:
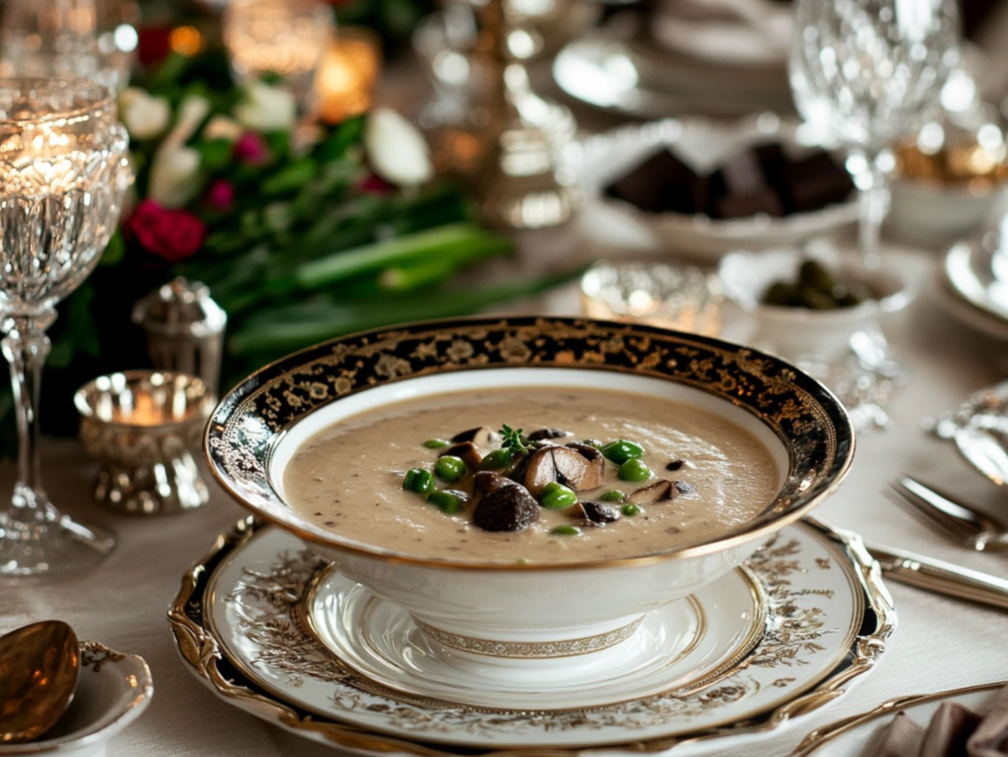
x=347 y=75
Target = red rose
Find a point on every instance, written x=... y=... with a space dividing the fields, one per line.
x=171 y=234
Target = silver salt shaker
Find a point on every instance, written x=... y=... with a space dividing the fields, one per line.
x=184 y=329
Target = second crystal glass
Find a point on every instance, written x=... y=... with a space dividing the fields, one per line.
x=285 y=37
x=862 y=72
x=63 y=175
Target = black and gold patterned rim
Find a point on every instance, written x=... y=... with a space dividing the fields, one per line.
x=250 y=420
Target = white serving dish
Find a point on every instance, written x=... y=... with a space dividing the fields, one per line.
x=797 y=333
x=605 y=157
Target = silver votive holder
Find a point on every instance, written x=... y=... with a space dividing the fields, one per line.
x=143 y=426
x=680 y=297
x=184 y=328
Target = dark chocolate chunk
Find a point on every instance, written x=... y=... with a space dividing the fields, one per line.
x=763 y=200
x=815 y=181
x=661 y=183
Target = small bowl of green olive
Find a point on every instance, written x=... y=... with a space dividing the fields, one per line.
x=808 y=305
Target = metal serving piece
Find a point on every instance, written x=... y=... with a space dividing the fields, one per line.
x=143 y=427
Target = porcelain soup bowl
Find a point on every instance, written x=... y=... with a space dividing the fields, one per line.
x=502 y=619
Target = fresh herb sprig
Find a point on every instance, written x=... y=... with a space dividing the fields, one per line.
x=512 y=441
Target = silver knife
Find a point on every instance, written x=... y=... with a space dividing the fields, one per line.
x=943 y=577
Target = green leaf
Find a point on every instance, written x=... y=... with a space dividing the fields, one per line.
x=270 y=334
x=115 y=250
x=290 y=178
x=324 y=271
x=215 y=154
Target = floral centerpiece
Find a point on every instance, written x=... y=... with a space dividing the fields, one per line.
x=301 y=231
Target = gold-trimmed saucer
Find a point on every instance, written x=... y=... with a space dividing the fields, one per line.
x=830 y=618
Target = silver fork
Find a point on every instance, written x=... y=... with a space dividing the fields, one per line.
x=950 y=516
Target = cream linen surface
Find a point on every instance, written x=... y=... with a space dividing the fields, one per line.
x=939 y=644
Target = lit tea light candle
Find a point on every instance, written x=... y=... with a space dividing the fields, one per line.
x=143 y=426
x=347 y=75
x=677 y=297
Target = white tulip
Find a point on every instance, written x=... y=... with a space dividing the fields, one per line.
x=191 y=113
x=265 y=108
x=396 y=149
x=174 y=176
x=145 y=117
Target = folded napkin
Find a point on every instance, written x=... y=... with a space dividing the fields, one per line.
x=953 y=731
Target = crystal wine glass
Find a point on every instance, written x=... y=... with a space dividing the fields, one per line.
x=63 y=176
x=92 y=39
x=862 y=73
x=284 y=37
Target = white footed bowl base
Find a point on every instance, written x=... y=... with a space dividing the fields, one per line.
x=686 y=644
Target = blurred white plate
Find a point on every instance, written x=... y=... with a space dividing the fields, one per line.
x=978 y=271
x=635 y=77
x=605 y=157
x=846 y=738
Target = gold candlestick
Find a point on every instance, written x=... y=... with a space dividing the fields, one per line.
x=507 y=149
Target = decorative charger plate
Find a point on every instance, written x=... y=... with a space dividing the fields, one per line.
x=239 y=625
x=605 y=157
x=848 y=737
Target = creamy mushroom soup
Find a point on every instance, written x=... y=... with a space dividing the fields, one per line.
x=611 y=474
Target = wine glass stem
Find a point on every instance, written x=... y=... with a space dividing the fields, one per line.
x=26 y=346
x=873 y=198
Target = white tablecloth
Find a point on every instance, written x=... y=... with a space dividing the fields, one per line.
x=939 y=643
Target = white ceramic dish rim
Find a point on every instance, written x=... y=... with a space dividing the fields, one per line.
x=137 y=679
x=257 y=445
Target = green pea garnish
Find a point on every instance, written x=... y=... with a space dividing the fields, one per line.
x=450 y=468
x=499 y=458
x=555 y=496
x=613 y=495
x=630 y=509
x=418 y=480
x=437 y=443
x=446 y=502
x=621 y=450
x=634 y=470
x=565 y=531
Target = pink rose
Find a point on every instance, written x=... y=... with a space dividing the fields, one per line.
x=174 y=235
x=250 y=148
x=220 y=195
